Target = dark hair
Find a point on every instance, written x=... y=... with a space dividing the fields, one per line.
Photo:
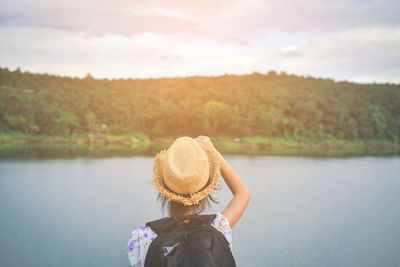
x=203 y=205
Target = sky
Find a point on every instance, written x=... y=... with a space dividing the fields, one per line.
x=354 y=40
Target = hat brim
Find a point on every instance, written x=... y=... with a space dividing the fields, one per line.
x=191 y=199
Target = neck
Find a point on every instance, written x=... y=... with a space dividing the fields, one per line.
x=179 y=211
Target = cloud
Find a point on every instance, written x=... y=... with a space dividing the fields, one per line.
x=106 y=17
x=237 y=20
x=291 y=51
x=341 y=15
x=354 y=40
x=368 y=54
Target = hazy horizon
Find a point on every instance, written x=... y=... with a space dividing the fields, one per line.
x=189 y=76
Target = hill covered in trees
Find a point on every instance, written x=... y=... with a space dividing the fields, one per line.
x=272 y=104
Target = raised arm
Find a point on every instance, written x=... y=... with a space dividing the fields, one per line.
x=241 y=195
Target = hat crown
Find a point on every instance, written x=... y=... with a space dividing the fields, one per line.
x=185 y=166
x=187 y=172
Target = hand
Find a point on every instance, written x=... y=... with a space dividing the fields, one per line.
x=205 y=141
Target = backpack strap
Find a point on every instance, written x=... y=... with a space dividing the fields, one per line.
x=208 y=219
x=158 y=226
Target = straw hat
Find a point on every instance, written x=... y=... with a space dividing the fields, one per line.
x=187 y=172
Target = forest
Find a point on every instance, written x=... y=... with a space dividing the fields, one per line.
x=259 y=104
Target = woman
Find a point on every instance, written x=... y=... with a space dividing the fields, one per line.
x=185 y=175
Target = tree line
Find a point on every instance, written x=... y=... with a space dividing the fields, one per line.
x=271 y=104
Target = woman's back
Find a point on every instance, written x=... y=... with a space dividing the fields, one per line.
x=142 y=237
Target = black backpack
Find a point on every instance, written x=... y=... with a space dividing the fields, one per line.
x=195 y=243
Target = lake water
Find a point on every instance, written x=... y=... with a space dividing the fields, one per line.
x=303 y=211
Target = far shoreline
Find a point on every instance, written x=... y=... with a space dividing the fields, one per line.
x=106 y=145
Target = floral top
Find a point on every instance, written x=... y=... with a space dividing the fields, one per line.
x=142 y=237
